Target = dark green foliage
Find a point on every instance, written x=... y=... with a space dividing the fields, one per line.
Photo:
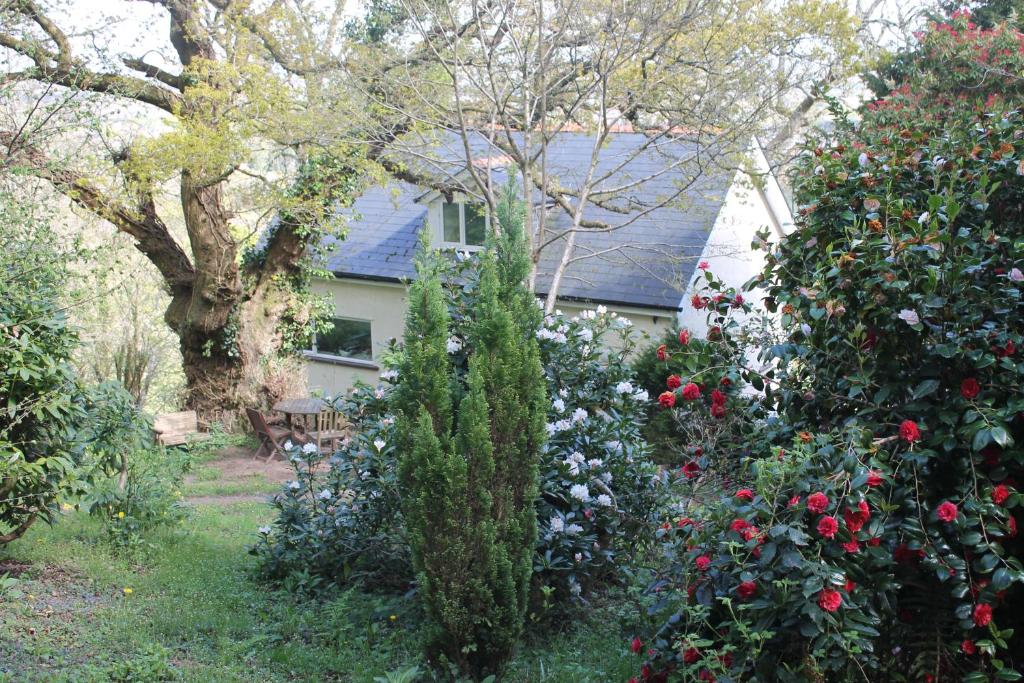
x=470 y=442
x=39 y=406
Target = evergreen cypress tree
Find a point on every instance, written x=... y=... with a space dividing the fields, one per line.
x=470 y=450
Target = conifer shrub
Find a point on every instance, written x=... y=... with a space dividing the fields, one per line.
x=469 y=440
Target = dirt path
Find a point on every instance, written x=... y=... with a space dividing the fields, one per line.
x=235 y=476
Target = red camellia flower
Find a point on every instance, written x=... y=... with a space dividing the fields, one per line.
x=717 y=411
x=946 y=512
x=855 y=519
x=969 y=388
x=829 y=600
x=875 y=478
x=662 y=352
x=909 y=431
x=968 y=647
x=703 y=562
x=684 y=337
x=691 y=470
x=667 y=399
x=737 y=301
x=691 y=392
x=738 y=525
x=982 y=614
x=851 y=546
x=828 y=526
x=850 y=585
x=691 y=655
x=717 y=398
x=674 y=381
x=637 y=645
x=817 y=502
x=745 y=494
x=1000 y=494
x=746 y=589
x=698 y=302
x=794 y=501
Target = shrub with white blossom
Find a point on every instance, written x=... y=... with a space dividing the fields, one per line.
x=599 y=488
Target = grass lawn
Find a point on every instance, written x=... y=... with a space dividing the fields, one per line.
x=195 y=613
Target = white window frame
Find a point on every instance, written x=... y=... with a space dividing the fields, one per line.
x=438 y=218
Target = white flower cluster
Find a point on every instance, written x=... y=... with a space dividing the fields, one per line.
x=604 y=500
x=558 y=426
x=309 y=448
x=552 y=335
x=586 y=334
x=454 y=344
x=580 y=492
x=579 y=415
x=559 y=405
x=573 y=462
x=390 y=375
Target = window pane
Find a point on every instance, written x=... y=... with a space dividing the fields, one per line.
x=349 y=338
x=476 y=225
x=450 y=218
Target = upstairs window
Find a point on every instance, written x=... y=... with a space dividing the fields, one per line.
x=349 y=338
x=463 y=224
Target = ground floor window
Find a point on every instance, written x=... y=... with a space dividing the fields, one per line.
x=349 y=338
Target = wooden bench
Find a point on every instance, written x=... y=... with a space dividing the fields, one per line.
x=176 y=429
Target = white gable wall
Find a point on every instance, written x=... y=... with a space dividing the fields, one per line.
x=749 y=207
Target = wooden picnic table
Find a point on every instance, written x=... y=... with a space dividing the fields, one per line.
x=301 y=407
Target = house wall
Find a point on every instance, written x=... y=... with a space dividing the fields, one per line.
x=749 y=206
x=384 y=305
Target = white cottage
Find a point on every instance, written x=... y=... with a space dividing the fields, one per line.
x=672 y=217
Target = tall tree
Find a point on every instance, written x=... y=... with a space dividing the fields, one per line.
x=235 y=108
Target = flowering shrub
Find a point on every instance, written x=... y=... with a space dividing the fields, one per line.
x=900 y=293
x=595 y=449
x=781 y=580
x=339 y=518
x=708 y=407
x=599 y=489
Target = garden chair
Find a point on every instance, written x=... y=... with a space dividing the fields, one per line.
x=271 y=438
x=330 y=427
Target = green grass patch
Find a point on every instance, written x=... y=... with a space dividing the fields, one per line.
x=195 y=613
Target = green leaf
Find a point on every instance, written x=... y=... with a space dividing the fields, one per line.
x=926 y=387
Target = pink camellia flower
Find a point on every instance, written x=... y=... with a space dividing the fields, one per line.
x=637 y=645
x=691 y=392
x=745 y=494
x=674 y=382
x=1000 y=493
x=737 y=301
x=982 y=614
x=684 y=337
x=828 y=526
x=698 y=302
x=703 y=562
x=1016 y=275
x=703 y=265
x=746 y=589
x=829 y=600
x=909 y=431
x=817 y=502
x=793 y=502
x=946 y=512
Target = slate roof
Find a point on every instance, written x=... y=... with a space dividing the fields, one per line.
x=647 y=262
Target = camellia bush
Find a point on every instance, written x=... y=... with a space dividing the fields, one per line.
x=874 y=536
